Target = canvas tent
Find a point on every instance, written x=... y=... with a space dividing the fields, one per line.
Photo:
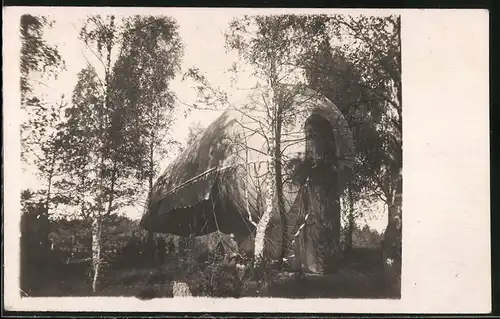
x=219 y=181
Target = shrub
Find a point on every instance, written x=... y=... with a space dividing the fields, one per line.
x=216 y=280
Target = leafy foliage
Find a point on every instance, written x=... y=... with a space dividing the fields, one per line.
x=42 y=140
x=38 y=60
x=274 y=45
x=37 y=56
x=375 y=54
x=112 y=135
x=376 y=58
x=283 y=49
x=358 y=67
x=150 y=55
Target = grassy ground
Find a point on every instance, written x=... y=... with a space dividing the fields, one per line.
x=156 y=282
x=347 y=283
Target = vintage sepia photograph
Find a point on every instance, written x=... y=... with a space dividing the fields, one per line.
x=259 y=155
x=220 y=155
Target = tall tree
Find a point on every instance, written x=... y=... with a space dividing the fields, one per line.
x=101 y=34
x=42 y=145
x=150 y=56
x=107 y=127
x=275 y=47
x=39 y=60
x=87 y=177
x=376 y=53
x=46 y=140
x=118 y=121
x=80 y=136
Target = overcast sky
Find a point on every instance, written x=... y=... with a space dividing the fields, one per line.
x=203 y=39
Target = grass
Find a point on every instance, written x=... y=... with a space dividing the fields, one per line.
x=355 y=279
x=347 y=283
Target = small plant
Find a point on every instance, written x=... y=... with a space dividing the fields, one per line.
x=216 y=278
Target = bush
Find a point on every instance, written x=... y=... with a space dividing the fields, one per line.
x=215 y=279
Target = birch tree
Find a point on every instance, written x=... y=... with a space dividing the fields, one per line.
x=122 y=105
x=107 y=124
x=39 y=61
x=272 y=45
x=99 y=35
x=80 y=132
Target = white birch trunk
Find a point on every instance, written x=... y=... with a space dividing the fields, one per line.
x=96 y=251
x=392 y=241
x=247 y=180
x=263 y=222
x=266 y=216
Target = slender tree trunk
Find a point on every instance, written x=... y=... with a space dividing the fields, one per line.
x=47 y=199
x=190 y=256
x=247 y=183
x=266 y=216
x=280 y=202
x=97 y=232
x=82 y=208
x=394 y=214
x=97 y=221
x=271 y=177
x=96 y=250
x=112 y=190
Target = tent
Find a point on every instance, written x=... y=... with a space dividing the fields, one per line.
x=219 y=182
